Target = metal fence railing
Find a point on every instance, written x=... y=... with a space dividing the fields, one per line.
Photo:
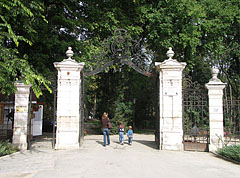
x=231 y=121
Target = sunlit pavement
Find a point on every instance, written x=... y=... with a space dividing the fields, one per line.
x=139 y=160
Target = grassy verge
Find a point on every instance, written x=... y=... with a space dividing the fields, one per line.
x=6 y=148
x=144 y=131
x=93 y=127
x=232 y=152
x=94 y=122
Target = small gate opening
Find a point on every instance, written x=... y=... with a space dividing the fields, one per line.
x=195 y=117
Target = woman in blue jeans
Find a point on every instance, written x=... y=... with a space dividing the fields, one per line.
x=105 y=129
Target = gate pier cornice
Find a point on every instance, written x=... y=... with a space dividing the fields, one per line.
x=170 y=103
x=68 y=102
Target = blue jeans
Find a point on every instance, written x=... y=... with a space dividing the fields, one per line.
x=130 y=139
x=121 y=137
x=106 y=133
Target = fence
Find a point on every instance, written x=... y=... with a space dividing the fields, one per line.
x=6 y=117
x=231 y=115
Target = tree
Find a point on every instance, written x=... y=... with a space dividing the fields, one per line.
x=13 y=65
x=202 y=33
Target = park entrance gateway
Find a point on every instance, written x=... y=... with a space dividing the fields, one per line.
x=118 y=48
x=121 y=49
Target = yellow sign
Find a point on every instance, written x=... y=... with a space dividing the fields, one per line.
x=21 y=109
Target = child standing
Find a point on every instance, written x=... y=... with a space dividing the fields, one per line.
x=121 y=133
x=130 y=135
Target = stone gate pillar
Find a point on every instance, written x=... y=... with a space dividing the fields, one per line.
x=170 y=103
x=21 y=127
x=68 y=102
x=215 y=95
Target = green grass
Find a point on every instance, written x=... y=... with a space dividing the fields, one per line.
x=97 y=124
x=144 y=131
x=232 y=152
x=94 y=122
x=6 y=148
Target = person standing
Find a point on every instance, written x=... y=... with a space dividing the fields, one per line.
x=121 y=133
x=105 y=129
x=130 y=135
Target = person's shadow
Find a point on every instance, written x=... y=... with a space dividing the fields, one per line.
x=100 y=143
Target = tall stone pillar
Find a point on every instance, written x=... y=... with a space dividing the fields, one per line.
x=68 y=102
x=170 y=76
x=215 y=95
x=21 y=128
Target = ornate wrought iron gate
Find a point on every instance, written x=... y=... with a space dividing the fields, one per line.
x=195 y=117
x=120 y=48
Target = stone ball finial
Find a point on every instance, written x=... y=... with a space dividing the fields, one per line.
x=170 y=53
x=215 y=72
x=69 y=53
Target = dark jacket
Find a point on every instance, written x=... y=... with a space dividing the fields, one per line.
x=105 y=123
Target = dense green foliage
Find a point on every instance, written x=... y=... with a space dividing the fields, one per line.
x=34 y=34
x=16 y=19
x=6 y=148
x=232 y=152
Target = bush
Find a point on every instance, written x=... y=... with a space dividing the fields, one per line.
x=123 y=113
x=232 y=152
x=6 y=148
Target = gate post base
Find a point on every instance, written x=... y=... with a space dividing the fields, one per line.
x=67 y=139
x=19 y=145
x=171 y=140
x=66 y=147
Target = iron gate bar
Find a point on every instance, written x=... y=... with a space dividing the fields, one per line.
x=157 y=103
x=129 y=63
x=54 y=117
x=136 y=68
x=82 y=116
x=96 y=71
x=29 y=122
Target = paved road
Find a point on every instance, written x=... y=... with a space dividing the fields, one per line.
x=92 y=160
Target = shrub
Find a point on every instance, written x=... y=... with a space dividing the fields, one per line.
x=123 y=113
x=232 y=152
x=6 y=148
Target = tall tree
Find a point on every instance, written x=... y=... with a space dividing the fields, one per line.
x=16 y=18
